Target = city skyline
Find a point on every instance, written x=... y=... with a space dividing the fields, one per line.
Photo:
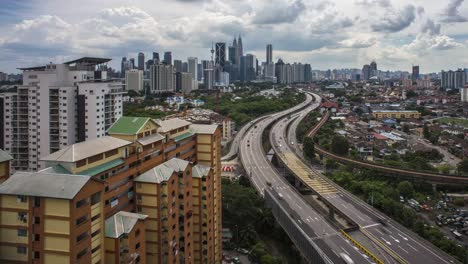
x=343 y=34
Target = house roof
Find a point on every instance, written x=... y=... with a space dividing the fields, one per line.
x=163 y=171
x=122 y=223
x=4 y=156
x=86 y=149
x=150 y=139
x=127 y=125
x=379 y=136
x=171 y=124
x=329 y=104
x=199 y=171
x=51 y=185
x=203 y=129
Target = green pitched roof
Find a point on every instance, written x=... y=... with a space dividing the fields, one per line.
x=127 y=125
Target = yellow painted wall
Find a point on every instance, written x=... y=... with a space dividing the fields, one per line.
x=151 y=224
x=150 y=125
x=150 y=212
x=151 y=259
x=57 y=207
x=56 y=226
x=95 y=209
x=11 y=201
x=204 y=148
x=109 y=244
x=152 y=236
x=57 y=243
x=195 y=191
x=10 y=218
x=9 y=252
x=204 y=139
x=3 y=168
x=96 y=257
x=195 y=182
x=146 y=188
x=96 y=241
x=204 y=156
x=11 y=236
x=148 y=200
x=110 y=258
x=55 y=258
x=131 y=138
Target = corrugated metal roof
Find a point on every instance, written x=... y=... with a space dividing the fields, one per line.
x=171 y=124
x=122 y=223
x=199 y=171
x=127 y=125
x=204 y=129
x=150 y=139
x=4 y=156
x=51 y=185
x=86 y=149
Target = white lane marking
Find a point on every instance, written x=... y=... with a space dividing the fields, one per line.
x=308 y=220
x=387 y=230
x=388 y=242
x=398 y=241
x=345 y=250
x=412 y=247
x=378 y=231
x=403 y=249
x=367 y=226
x=403 y=237
x=361 y=218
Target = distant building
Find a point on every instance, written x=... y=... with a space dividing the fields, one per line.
x=366 y=72
x=193 y=67
x=184 y=82
x=5 y=168
x=162 y=79
x=395 y=114
x=220 y=54
x=168 y=58
x=178 y=66
x=141 y=61
x=453 y=79
x=464 y=93
x=269 y=54
x=156 y=56
x=248 y=68
x=373 y=69
x=134 y=80
x=415 y=73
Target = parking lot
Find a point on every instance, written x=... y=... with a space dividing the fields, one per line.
x=231 y=254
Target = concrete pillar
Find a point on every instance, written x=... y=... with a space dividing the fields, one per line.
x=434 y=187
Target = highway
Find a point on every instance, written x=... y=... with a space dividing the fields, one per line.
x=262 y=175
x=397 y=241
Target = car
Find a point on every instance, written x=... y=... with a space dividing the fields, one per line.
x=280 y=196
x=346 y=259
x=292 y=142
x=242 y=251
x=236 y=260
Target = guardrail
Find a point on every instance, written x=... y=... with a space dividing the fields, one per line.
x=431 y=177
x=310 y=251
x=358 y=245
x=382 y=245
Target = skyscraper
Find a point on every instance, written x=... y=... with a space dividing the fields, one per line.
x=248 y=68
x=366 y=72
x=122 y=67
x=453 y=79
x=168 y=58
x=269 y=54
x=193 y=67
x=240 y=48
x=141 y=61
x=232 y=54
x=156 y=56
x=178 y=65
x=220 y=54
x=415 y=74
x=373 y=69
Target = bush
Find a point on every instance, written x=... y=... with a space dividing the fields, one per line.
x=459 y=201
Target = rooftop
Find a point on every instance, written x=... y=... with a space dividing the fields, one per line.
x=171 y=124
x=127 y=125
x=394 y=111
x=199 y=171
x=51 y=185
x=89 y=60
x=203 y=129
x=122 y=223
x=86 y=149
x=4 y=156
x=150 y=139
x=163 y=171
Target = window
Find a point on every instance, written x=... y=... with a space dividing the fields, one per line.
x=82 y=253
x=21 y=198
x=137 y=232
x=23 y=217
x=82 y=236
x=22 y=232
x=137 y=246
x=82 y=202
x=95 y=198
x=37 y=237
x=37 y=220
x=81 y=220
x=21 y=250
x=37 y=255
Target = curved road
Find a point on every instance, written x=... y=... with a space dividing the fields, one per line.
x=402 y=243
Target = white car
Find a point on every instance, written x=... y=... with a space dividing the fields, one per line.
x=346 y=258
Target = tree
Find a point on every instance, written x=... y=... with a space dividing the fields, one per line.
x=339 y=145
x=269 y=259
x=309 y=148
x=462 y=167
x=405 y=188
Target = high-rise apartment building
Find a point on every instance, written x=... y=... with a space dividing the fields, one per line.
x=185 y=83
x=453 y=79
x=178 y=66
x=134 y=80
x=168 y=58
x=366 y=72
x=141 y=61
x=5 y=160
x=193 y=67
x=162 y=78
x=57 y=105
x=464 y=93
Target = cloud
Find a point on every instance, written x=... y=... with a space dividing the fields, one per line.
x=357 y=42
x=395 y=21
x=430 y=38
x=381 y=3
x=451 y=13
x=277 y=12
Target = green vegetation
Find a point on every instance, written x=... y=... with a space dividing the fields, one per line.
x=309 y=148
x=250 y=105
x=339 y=145
x=138 y=110
x=245 y=214
x=453 y=121
x=385 y=196
x=462 y=167
x=309 y=121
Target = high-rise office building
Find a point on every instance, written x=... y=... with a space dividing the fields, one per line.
x=134 y=80
x=240 y=49
x=162 y=79
x=168 y=58
x=132 y=61
x=58 y=105
x=178 y=66
x=141 y=61
x=208 y=75
x=269 y=54
x=220 y=54
x=248 y=68
x=308 y=73
x=122 y=67
x=415 y=73
x=193 y=67
x=184 y=66
x=185 y=82
x=232 y=54
x=156 y=56
x=366 y=72
x=373 y=69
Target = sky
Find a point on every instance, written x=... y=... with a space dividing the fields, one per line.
x=327 y=34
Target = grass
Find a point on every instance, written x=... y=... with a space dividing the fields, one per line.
x=453 y=120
